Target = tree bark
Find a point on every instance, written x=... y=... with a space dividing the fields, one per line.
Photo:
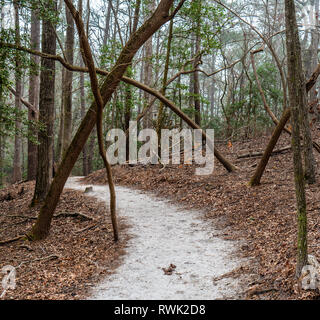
x=46 y=110
x=61 y=120
x=107 y=27
x=17 y=163
x=88 y=58
x=256 y=178
x=161 y=15
x=196 y=81
x=91 y=150
x=33 y=95
x=67 y=87
x=128 y=105
x=165 y=79
x=128 y=88
x=312 y=53
x=148 y=49
x=298 y=102
x=1 y=158
x=1 y=104
x=85 y=167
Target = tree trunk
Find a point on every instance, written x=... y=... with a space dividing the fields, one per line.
x=212 y=90
x=148 y=49
x=61 y=122
x=128 y=105
x=85 y=169
x=33 y=95
x=309 y=160
x=17 y=173
x=311 y=58
x=1 y=158
x=107 y=27
x=46 y=110
x=298 y=102
x=42 y=226
x=256 y=178
x=165 y=79
x=196 y=83
x=91 y=146
x=89 y=61
x=2 y=141
x=67 y=87
x=128 y=88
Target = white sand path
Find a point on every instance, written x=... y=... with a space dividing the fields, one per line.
x=164 y=234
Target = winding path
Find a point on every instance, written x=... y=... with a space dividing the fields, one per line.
x=164 y=234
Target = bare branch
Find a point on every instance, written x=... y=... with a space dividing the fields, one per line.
x=26 y=103
x=267 y=42
x=178 y=7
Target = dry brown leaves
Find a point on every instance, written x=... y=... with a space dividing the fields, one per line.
x=264 y=217
x=77 y=253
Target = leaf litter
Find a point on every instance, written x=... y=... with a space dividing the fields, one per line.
x=77 y=253
x=263 y=217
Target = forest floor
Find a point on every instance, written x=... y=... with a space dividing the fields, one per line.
x=264 y=217
x=78 y=253
x=172 y=252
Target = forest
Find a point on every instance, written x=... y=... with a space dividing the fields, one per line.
x=110 y=113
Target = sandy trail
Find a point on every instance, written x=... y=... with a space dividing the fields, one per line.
x=164 y=234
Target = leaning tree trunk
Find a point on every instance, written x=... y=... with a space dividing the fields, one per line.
x=298 y=103
x=46 y=110
x=42 y=226
x=256 y=178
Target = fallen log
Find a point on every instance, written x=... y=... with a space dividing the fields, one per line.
x=2 y=243
x=260 y=154
x=73 y=215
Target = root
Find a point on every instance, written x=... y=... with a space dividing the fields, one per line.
x=2 y=243
x=73 y=215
